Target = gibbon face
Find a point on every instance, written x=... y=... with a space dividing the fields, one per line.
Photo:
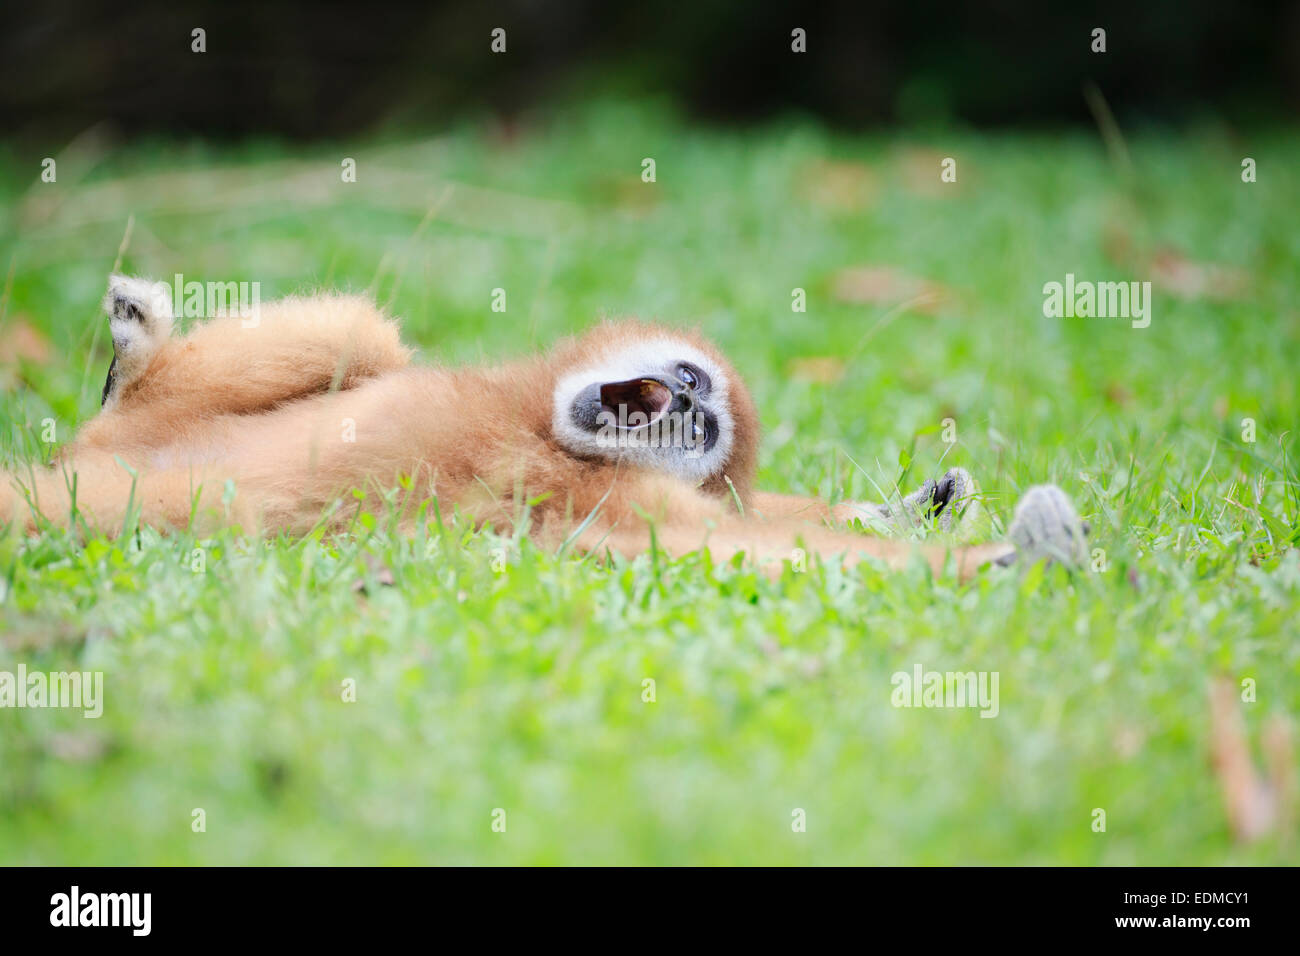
x=657 y=399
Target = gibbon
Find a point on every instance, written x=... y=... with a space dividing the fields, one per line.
x=631 y=437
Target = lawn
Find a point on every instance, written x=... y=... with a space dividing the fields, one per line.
x=490 y=675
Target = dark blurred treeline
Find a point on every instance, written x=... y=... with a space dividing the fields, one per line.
x=309 y=69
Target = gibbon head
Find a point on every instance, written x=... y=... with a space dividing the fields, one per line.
x=660 y=399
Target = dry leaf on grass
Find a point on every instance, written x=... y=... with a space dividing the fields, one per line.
x=22 y=341
x=42 y=634
x=822 y=369
x=78 y=746
x=1280 y=760
x=1172 y=271
x=627 y=194
x=1168 y=269
x=919 y=171
x=1117 y=243
x=885 y=285
x=838 y=186
x=1255 y=807
x=1129 y=740
x=1118 y=394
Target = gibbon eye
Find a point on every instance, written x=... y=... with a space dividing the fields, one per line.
x=692 y=377
x=701 y=437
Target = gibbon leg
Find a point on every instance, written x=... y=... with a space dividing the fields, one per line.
x=771 y=545
x=276 y=490
x=1045 y=525
x=678 y=520
x=140 y=321
x=103 y=491
x=952 y=503
x=290 y=349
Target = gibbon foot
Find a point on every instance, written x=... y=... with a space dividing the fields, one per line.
x=950 y=502
x=140 y=320
x=1046 y=526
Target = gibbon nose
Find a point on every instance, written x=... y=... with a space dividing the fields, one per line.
x=683 y=396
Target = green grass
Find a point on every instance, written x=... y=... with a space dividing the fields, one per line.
x=522 y=689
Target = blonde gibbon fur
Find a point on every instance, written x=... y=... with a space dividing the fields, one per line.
x=319 y=397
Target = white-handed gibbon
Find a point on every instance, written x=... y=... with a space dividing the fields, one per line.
x=630 y=437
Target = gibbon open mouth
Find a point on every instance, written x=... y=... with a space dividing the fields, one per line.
x=645 y=398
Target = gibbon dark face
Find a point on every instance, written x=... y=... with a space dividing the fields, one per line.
x=675 y=401
x=662 y=403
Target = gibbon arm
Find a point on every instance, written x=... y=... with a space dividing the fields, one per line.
x=773 y=544
x=645 y=512
x=771 y=505
x=951 y=502
x=1045 y=525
